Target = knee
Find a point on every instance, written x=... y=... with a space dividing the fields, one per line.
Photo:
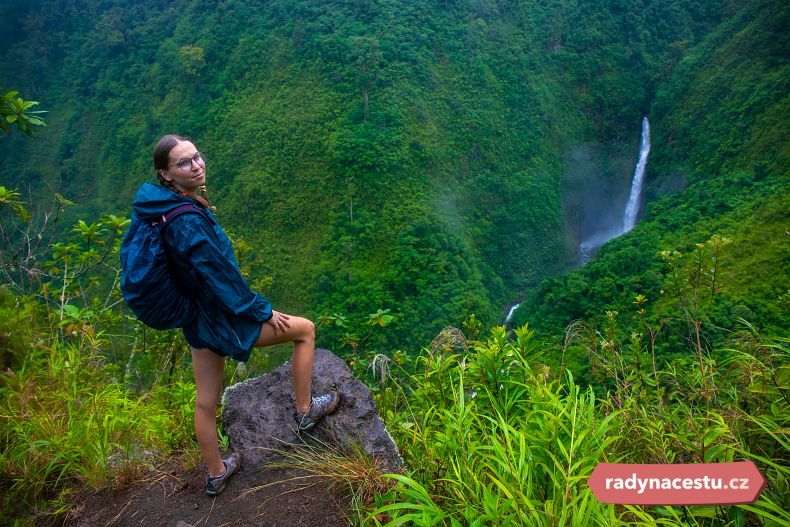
x=309 y=329
x=206 y=404
x=303 y=330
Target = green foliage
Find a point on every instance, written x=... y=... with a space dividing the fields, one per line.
x=427 y=279
x=192 y=60
x=716 y=168
x=19 y=327
x=10 y=198
x=690 y=297
x=491 y=436
x=351 y=336
x=494 y=442
x=488 y=431
x=69 y=412
x=15 y=111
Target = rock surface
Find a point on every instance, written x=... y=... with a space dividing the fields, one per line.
x=258 y=415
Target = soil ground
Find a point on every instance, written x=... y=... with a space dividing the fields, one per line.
x=252 y=498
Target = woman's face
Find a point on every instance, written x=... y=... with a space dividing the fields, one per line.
x=187 y=169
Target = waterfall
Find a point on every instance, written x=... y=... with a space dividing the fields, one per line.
x=587 y=246
x=509 y=316
x=632 y=208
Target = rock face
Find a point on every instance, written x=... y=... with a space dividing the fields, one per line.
x=258 y=415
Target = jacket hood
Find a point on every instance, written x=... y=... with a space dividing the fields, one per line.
x=153 y=200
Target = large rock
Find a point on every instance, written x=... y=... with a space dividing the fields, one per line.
x=258 y=415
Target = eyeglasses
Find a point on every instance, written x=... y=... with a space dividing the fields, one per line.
x=186 y=164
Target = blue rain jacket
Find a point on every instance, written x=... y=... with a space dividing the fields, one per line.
x=229 y=315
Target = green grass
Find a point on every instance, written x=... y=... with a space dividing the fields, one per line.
x=492 y=437
x=66 y=422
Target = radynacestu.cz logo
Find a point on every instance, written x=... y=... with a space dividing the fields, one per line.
x=681 y=484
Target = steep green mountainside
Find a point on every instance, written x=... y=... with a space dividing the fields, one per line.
x=720 y=134
x=403 y=155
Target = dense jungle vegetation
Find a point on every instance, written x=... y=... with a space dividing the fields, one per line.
x=353 y=143
x=391 y=168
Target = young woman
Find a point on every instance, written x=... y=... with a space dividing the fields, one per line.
x=230 y=319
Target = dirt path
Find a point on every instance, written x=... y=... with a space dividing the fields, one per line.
x=170 y=498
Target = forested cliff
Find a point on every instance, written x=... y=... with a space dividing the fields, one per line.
x=431 y=158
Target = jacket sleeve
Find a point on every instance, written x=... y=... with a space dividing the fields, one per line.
x=214 y=266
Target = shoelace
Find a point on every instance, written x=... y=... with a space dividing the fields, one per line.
x=318 y=401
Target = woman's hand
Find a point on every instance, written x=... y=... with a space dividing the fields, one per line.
x=279 y=321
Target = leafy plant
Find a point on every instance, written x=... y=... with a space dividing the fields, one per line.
x=351 y=335
x=491 y=436
x=15 y=111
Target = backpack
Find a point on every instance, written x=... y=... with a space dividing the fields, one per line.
x=147 y=285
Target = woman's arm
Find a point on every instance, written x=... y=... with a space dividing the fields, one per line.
x=192 y=239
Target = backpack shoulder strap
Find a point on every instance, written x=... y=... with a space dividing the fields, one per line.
x=165 y=218
x=186 y=207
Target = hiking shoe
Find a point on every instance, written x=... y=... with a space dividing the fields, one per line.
x=319 y=407
x=215 y=486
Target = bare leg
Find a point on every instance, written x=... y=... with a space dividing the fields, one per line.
x=209 y=375
x=302 y=334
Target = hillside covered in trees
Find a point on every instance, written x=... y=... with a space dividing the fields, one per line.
x=431 y=158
